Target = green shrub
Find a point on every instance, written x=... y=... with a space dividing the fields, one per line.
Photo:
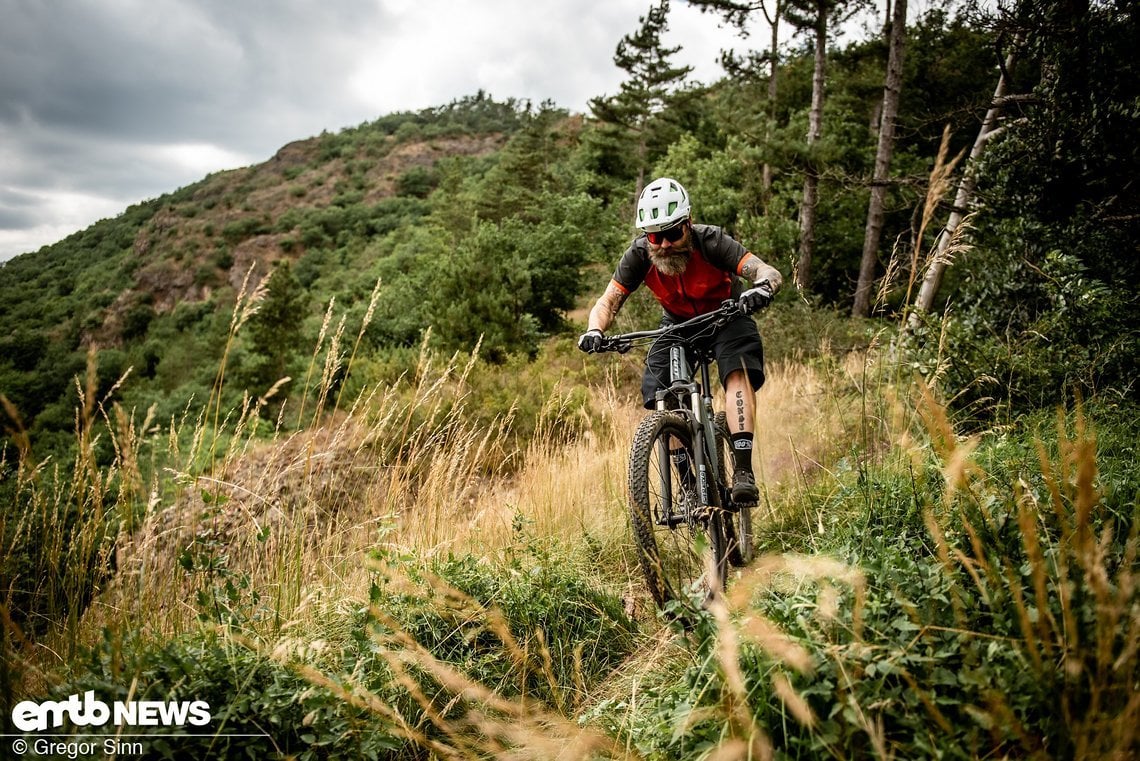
x=417 y=182
x=992 y=621
x=246 y=227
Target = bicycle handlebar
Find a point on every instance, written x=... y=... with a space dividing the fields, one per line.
x=623 y=342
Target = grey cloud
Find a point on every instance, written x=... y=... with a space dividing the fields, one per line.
x=176 y=69
x=89 y=90
x=18 y=210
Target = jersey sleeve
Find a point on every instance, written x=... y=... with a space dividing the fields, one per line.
x=726 y=253
x=722 y=251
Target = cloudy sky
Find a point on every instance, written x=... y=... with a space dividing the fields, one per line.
x=104 y=103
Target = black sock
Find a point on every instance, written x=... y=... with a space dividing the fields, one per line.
x=742 y=451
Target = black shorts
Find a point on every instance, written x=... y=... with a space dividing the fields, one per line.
x=736 y=346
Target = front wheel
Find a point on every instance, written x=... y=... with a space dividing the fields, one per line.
x=681 y=547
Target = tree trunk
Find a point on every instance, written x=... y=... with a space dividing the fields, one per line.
x=891 y=92
x=811 y=178
x=642 y=152
x=932 y=280
x=774 y=60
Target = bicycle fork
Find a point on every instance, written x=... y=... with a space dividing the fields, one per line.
x=703 y=469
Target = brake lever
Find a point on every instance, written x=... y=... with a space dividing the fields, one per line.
x=621 y=346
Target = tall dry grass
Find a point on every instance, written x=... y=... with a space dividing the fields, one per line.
x=273 y=509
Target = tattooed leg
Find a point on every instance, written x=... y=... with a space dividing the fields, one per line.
x=741 y=403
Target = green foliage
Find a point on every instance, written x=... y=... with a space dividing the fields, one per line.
x=1046 y=305
x=528 y=274
x=276 y=327
x=1065 y=335
x=529 y=166
x=950 y=650
x=473 y=616
x=259 y=708
x=417 y=182
x=714 y=179
x=245 y=227
x=538 y=593
x=796 y=331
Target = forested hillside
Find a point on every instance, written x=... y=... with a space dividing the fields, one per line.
x=311 y=440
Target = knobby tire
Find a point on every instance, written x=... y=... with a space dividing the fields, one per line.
x=675 y=567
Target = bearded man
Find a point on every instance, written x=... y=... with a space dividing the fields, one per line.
x=691 y=269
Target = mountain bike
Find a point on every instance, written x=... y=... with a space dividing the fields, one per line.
x=686 y=526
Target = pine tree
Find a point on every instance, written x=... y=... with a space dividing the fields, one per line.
x=639 y=113
x=738 y=14
x=275 y=328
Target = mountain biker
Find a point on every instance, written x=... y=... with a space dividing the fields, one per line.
x=691 y=269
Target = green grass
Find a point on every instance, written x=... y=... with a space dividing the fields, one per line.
x=993 y=614
x=336 y=590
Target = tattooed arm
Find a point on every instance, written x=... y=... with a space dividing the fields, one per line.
x=757 y=271
x=606 y=309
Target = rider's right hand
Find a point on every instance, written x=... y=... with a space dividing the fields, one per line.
x=591 y=341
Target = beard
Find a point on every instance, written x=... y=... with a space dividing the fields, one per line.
x=670 y=263
x=673 y=261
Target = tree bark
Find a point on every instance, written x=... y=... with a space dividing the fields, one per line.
x=774 y=61
x=891 y=92
x=811 y=177
x=932 y=280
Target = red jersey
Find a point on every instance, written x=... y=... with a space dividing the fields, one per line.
x=707 y=281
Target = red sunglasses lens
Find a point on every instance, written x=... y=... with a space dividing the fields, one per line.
x=673 y=234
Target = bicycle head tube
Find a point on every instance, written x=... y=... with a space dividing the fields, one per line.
x=679 y=366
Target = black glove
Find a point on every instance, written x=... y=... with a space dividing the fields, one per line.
x=591 y=341
x=755 y=299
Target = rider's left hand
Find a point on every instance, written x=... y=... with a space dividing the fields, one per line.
x=755 y=299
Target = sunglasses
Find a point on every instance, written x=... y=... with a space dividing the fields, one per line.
x=672 y=234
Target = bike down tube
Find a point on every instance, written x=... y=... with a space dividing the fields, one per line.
x=665 y=457
x=681 y=381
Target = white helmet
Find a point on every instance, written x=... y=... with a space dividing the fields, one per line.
x=663 y=203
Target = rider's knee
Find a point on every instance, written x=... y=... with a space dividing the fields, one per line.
x=736 y=378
